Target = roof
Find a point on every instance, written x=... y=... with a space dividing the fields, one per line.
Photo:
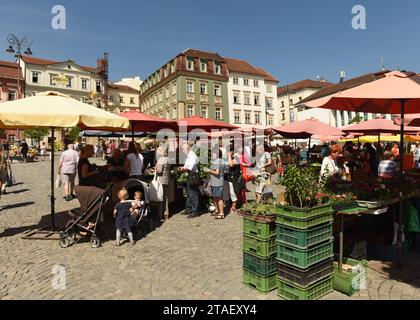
x=304 y=84
x=9 y=70
x=351 y=83
x=122 y=88
x=202 y=54
x=45 y=62
x=242 y=66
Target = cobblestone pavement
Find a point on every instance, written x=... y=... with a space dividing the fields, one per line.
x=183 y=259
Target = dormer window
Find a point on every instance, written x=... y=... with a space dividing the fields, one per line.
x=217 y=68
x=203 y=65
x=190 y=64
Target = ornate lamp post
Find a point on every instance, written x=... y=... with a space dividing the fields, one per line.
x=16 y=46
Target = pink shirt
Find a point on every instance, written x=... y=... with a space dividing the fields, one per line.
x=69 y=160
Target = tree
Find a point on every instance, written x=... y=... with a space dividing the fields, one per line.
x=356 y=119
x=74 y=133
x=37 y=134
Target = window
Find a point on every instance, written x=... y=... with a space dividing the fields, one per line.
x=269 y=102
x=203 y=88
x=269 y=89
x=69 y=82
x=237 y=117
x=12 y=138
x=246 y=82
x=257 y=118
x=217 y=68
x=35 y=77
x=84 y=84
x=167 y=92
x=283 y=116
x=190 y=110
x=190 y=86
x=203 y=112
x=190 y=64
x=236 y=97
x=218 y=114
x=174 y=88
x=11 y=95
x=247 y=98
x=203 y=65
x=132 y=100
x=300 y=98
x=217 y=90
x=290 y=101
x=235 y=80
x=160 y=95
x=247 y=117
x=98 y=86
x=282 y=104
x=121 y=99
x=270 y=119
x=110 y=98
x=52 y=79
x=165 y=72
x=256 y=99
x=256 y=84
x=174 y=112
x=173 y=67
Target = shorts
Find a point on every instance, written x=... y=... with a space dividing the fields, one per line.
x=229 y=192
x=217 y=192
x=68 y=177
x=261 y=182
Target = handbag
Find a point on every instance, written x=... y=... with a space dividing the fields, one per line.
x=205 y=189
x=58 y=181
x=194 y=179
x=155 y=190
x=271 y=169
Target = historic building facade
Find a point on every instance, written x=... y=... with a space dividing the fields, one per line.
x=122 y=98
x=193 y=83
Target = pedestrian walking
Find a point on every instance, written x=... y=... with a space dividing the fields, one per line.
x=67 y=168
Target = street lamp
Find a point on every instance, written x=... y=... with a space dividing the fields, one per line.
x=16 y=46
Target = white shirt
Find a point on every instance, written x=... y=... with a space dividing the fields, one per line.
x=328 y=165
x=136 y=164
x=192 y=162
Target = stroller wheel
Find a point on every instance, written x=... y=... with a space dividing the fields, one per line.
x=64 y=241
x=95 y=242
x=72 y=237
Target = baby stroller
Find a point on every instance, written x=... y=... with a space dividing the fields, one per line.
x=92 y=201
x=132 y=186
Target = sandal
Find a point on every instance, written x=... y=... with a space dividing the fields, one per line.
x=220 y=216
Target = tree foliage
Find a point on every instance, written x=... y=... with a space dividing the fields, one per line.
x=37 y=133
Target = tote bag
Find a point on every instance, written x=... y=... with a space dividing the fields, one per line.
x=156 y=190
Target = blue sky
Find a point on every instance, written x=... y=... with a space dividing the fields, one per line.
x=292 y=39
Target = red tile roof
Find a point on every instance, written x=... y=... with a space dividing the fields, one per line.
x=304 y=84
x=243 y=66
x=45 y=62
x=202 y=54
x=123 y=88
x=9 y=70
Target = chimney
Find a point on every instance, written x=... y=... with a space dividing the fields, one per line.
x=342 y=76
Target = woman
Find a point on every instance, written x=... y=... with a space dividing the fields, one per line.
x=329 y=166
x=263 y=160
x=387 y=167
x=416 y=153
x=24 y=150
x=216 y=182
x=88 y=173
x=67 y=169
x=233 y=182
x=117 y=165
x=163 y=172
x=372 y=160
x=43 y=149
x=134 y=161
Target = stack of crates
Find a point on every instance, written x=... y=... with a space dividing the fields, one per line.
x=304 y=252
x=259 y=263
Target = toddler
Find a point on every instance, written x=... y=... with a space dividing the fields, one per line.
x=136 y=205
x=122 y=214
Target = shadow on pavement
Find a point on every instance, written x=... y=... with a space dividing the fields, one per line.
x=17 y=205
x=18 y=191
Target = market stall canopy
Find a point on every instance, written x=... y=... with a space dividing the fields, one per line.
x=327 y=138
x=411 y=120
x=378 y=126
x=306 y=129
x=148 y=123
x=55 y=110
x=109 y=134
x=205 y=124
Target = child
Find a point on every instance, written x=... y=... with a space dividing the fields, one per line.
x=136 y=205
x=122 y=214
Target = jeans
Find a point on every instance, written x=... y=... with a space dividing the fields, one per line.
x=193 y=195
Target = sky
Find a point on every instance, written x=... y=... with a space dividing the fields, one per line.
x=292 y=39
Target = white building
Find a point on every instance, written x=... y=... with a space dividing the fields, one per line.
x=83 y=83
x=252 y=94
x=291 y=95
x=134 y=82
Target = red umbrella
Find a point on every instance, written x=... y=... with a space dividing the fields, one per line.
x=396 y=93
x=306 y=129
x=411 y=120
x=378 y=126
x=146 y=123
x=196 y=122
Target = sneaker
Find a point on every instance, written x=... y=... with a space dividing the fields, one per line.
x=132 y=243
x=73 y=196
x=68 y=198
x=192 y=215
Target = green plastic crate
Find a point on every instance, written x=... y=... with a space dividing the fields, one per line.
x=303 y=213
x=263 y=230
x=304 y=238
x=290 y=291
x=350 y=282
x=262 y=266
x=304 y=258
x=258 y=247
x=263 y=284
x=304 y=223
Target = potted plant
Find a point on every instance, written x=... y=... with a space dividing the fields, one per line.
x=264 y=212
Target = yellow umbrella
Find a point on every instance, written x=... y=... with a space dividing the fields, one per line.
x=55 y=110
x=373 y=139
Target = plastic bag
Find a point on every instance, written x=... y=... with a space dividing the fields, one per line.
x=412 y=220
x=58 y=181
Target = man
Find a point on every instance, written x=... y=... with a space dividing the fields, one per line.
x=6 y=148
x=24 y=150
x=192 y=190
x=416 y=153
x=387 y=167
x=68 y=168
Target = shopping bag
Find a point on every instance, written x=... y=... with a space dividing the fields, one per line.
x=156 y=190
x=58 y=181
x=205 y=189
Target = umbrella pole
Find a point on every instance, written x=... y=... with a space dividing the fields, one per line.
x=52 y=197
x=132 y=134
x=309 y=150
x=401 y=213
